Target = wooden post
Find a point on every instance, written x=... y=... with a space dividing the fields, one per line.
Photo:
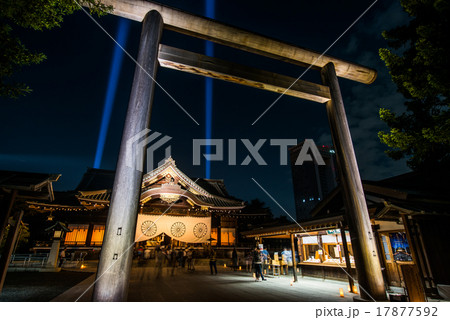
x=347 y=259
x=294 y=262
x=365 y=252
x=301 y=255
x=9 y=246
x=219 y=234
x=418 y=286
x=117 y=251
x=89 y=235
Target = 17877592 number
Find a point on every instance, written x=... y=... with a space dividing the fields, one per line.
x=407 y=311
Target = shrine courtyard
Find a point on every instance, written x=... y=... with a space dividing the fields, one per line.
x=187 y=286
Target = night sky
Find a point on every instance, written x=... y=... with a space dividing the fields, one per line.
x=55 y=129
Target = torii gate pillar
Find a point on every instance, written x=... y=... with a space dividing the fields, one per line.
x=367 y=262
x=117 y=251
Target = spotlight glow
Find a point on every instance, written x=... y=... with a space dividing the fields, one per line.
x=116 y=64
x=209 y=51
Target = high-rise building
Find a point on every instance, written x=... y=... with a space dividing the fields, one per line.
x=312 y=182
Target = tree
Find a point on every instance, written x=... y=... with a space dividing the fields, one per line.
x=419 y=65
x=35 y=15
x=22 y=239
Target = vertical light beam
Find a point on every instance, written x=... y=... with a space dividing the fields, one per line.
x=116 y=64
x=209 y=51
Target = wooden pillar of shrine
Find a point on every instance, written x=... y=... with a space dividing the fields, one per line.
x=117 y=251
x=365 y=252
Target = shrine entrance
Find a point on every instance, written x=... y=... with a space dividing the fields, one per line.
x=115 y=264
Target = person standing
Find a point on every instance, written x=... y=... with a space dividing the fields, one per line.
x=234 y=258
x=286 y=260
x=147 y=253
x=248 y=262
x=171 y=261
x=257 y=261
x=212 y=261
x=159 y=257
x=189 y=255
x=62 y=256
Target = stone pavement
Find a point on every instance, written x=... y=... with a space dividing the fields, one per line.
x=226 y=286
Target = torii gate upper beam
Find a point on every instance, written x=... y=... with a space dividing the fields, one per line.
x=221 y=33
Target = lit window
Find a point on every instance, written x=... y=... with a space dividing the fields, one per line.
x=97 y=235
x=78 y=235
x=228 y=236
x=214 y=236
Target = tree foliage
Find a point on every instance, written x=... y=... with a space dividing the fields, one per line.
x=22 y=239
x=38 y=15
x=419 y=64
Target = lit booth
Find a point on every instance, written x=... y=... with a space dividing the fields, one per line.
x=317 y=245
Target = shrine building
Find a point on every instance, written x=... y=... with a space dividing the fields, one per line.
x=175 y=210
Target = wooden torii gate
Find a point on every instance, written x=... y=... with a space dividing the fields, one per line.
x=116 y=256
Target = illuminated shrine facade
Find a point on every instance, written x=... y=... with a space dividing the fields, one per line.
x=174 y=210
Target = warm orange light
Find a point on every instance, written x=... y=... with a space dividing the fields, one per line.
x=265 y=271
x=341 y=292
x=240 y=268
x=355 y=290
x=348 y=288
x=83 y=266
x=225 y=265
x=254 y=275
x=269 y=267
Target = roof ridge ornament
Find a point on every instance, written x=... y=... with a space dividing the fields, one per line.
x=170 y=159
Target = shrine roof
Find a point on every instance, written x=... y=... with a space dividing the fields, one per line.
x=26 y=180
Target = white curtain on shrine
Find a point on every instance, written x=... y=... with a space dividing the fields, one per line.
x=182 y=228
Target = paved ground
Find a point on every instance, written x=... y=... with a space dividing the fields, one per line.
x=226 y=286
x=39 y=286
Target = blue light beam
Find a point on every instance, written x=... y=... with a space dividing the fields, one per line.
x=209 y=51
x=116 y=65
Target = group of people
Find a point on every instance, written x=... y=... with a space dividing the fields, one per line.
x=257 y=260
x=167 y=257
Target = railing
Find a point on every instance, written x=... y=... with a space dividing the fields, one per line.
x=28 y=260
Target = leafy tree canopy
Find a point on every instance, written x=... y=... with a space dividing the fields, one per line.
x=36 y=15
x=419 y=64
